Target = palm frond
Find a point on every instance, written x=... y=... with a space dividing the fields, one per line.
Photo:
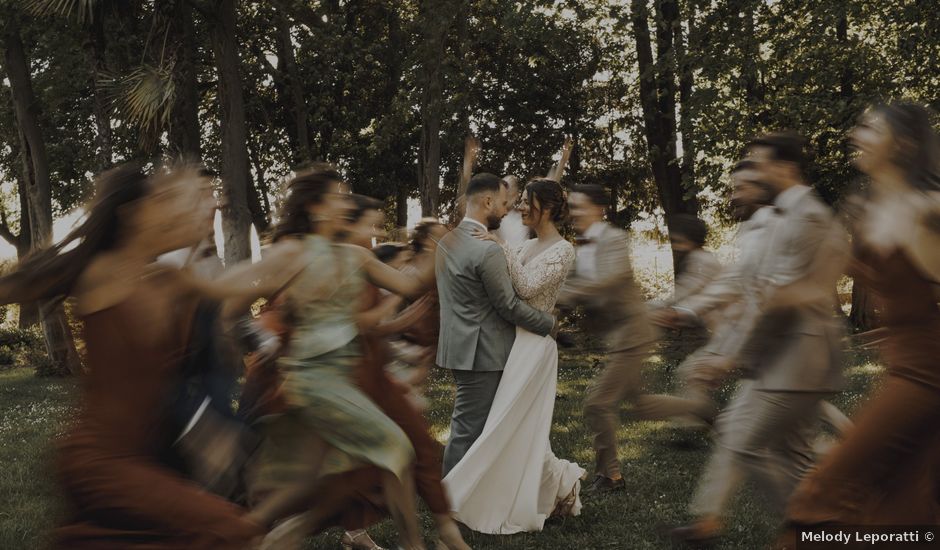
x=83 y=10
x=145 y=97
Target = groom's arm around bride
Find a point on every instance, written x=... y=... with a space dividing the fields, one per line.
x=479 y=313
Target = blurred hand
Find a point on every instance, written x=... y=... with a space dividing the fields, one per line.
x=486 y=236
x=712 y=370
x=666 y=317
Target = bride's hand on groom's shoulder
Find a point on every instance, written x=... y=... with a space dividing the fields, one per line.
x=487 y=236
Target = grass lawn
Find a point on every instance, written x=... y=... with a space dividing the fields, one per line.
x=661 y=465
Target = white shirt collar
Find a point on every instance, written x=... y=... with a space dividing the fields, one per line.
x=595 y=230
x=761 y=215
x=791 y=196
x=471 y=220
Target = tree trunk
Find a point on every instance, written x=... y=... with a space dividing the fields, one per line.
x=862 y=316
x=847 y=78
x=287 y=65
x=259 y=215
x=22 y=241
x=657 y=99
x=401 y=206
x=60 y=345
x=29 y=313
x=236 y=217
x=686 y=82
x=437 y=21
x=184 y=132
x=753 y=89
x=58 y=336
x=258 y=201
x=95 y=45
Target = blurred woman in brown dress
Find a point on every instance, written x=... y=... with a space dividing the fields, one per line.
x=885 y=471
x=136 y=320
x=377 y=323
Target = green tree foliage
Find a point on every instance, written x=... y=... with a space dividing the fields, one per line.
x=389 y=90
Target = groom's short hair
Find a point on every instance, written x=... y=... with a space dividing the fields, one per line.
x=484 y=182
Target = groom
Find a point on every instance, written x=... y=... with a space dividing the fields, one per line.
x=479 y=312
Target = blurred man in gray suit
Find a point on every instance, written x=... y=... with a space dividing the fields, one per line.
x=791 y=353
x=720 y=304
x=479 y=312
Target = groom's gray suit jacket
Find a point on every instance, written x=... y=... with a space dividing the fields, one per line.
x=479 y=307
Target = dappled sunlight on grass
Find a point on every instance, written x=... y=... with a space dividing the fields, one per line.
x=865 y=370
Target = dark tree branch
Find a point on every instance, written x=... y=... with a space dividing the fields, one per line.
x=5 y=230
x=301 y=14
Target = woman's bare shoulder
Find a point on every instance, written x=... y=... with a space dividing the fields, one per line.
x=108 y=280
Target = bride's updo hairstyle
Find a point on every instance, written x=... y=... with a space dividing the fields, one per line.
x=551 y=198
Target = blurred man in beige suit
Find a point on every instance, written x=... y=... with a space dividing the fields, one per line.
x=718 y=303
x=602 y=282
x=791 y=352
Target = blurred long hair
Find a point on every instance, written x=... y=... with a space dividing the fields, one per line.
x=912 y=128
x=307 y=187
x=51 y=273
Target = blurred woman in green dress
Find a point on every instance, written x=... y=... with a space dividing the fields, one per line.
x=331 y=426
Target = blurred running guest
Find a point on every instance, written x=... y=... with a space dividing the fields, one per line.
x=602 y=282
x=697 y=266
x=887 y=469
x=791 y=354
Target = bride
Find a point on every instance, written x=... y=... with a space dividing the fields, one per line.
x=510 y=481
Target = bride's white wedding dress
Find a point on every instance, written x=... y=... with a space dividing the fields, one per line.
x=510 y=480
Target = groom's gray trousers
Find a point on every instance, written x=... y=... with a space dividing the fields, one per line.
x=475 y=393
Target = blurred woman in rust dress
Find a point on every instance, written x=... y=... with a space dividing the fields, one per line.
x=136 y=323
x=886 y=469
x=380 y=320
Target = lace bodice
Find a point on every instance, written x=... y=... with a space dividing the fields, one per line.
x=539 y=281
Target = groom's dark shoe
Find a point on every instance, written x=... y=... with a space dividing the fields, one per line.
x=603 y=484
